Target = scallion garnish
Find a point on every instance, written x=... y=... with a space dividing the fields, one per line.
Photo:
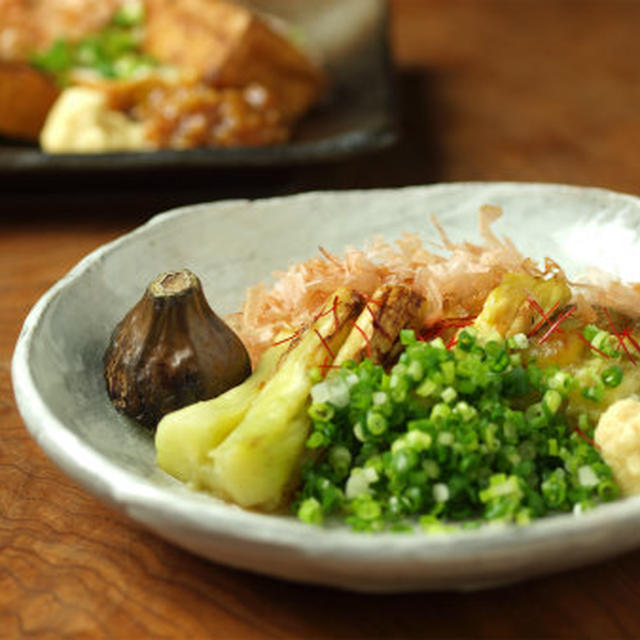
x=462 y=434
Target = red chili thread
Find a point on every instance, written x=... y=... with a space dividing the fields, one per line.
x=436 y=329
x=533 y=303
x=288 y=339
x=376 y=323
x=366 y=339
x=602 y=353
x=370 y=310
x=325 y=344
x=555 y=326
x=453 y=342
x=334 y=308
x=619 y=336
x=586 y=438
x=458 y=323
x=322 y=314
x=430 y=334
x=324 y=366
x=546 y=318
x=627 y=334
x=367 y=298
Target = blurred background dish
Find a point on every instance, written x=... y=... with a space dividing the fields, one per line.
x=356 y=114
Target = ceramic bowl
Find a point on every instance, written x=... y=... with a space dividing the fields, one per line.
x=57 y=376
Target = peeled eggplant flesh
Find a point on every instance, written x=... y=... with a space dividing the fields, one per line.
x=171 y=350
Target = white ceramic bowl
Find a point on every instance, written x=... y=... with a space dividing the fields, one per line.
x=57 y=376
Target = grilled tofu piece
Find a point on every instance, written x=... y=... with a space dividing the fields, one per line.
x=26 y=95
x=229 y=46
x=26 y=26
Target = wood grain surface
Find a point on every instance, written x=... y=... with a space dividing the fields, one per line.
x=537 y=90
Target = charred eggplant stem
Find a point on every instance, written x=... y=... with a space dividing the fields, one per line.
x=171 y=350
x=375 y=333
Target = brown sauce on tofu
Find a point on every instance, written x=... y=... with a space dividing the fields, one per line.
x=188 y=116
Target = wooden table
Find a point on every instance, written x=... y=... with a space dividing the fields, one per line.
x=538 y=90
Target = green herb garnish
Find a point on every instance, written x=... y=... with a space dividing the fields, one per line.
x=463 y=435
x=113 y=52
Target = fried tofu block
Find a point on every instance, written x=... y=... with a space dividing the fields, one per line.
x=26 y=95
x=229 y=46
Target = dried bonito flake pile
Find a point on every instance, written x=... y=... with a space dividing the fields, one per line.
x=455 y=281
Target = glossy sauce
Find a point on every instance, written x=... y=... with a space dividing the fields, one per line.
x=195 y=115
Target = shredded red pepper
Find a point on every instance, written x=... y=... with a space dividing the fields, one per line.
x=334 y=308
x=376 y=323
x=322 y=314
x=425 y=335
x=545 y=318
x=325 y=344
x=459 y=323
x=326 y=365
x=555 y=326
x=627 y=334
x=585 y=437
x=536 y=307
x=367 y=298
x=366 y=338
x=436 y=329
x=293 y=336
x=602 y=353
x=370 y=310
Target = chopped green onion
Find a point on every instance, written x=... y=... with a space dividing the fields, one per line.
x=612 y=376
x=131 y=14
x=605 y=343
x=427 y=388
x=518 y=341
x=590 y=332
x=113 y=52
x=561 y=381
x=593 y=393
x=376 y=423
x=321 y=411
x=552 y=400
x=449 y=395
x=340 y=460
x=310 y=511
x=587 y=477
x=477 y=432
